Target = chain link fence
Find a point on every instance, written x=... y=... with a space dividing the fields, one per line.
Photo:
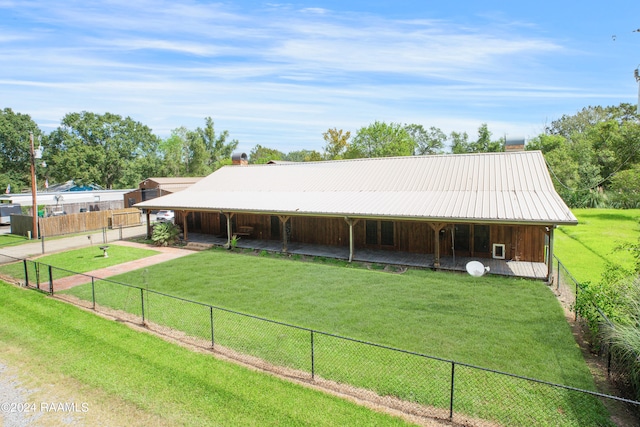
x=414 y=383
x=569 y=291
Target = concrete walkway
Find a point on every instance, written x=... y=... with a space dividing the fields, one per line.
x=166 y=254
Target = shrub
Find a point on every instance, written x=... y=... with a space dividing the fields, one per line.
x=165 y=233
x=623 y=337
x=608 y=297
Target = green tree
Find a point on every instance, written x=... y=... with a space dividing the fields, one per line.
x=197 y=158
x=459 y=143
x=107 y=149
x=381 y=140
x=427 y=141
x=303 y=156
x=625 y=189
x=568 y=125
x=337 y=142
x=15 y=158
x=261 y=155
x=174 y=153
x=217 y=147
x=484 y=144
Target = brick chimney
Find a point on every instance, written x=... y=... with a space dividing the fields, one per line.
x=239 y=159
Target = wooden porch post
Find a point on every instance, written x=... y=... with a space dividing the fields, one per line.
x=229 y=216
x=436 y=226
x=550 y=255
x=284 y=220
x=185 y=216
x=351 y=223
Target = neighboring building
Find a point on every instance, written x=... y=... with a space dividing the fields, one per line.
x=69 y=198
x=499 y=206
x=151 y=188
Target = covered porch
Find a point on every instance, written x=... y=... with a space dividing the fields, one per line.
x=531 y=270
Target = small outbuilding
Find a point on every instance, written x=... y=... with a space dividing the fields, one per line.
x=151 y=188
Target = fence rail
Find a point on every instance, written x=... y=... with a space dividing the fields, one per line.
x=412 y=382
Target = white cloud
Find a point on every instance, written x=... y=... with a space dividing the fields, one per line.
x=278 y=75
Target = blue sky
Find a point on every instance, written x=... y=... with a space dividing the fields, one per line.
x=280 y=74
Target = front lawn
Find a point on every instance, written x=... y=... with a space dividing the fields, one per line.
x=511 y=325
x=80 y=260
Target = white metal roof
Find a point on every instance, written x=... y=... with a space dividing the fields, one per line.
x=513 y=187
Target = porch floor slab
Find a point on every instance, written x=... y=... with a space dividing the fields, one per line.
x=531 y=270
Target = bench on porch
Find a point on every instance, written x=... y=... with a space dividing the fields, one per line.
x=245 y=230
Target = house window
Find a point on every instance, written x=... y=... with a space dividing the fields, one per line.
x=380 y=233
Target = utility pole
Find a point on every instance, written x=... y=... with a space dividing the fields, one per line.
x=34 y=190
x=636 y=74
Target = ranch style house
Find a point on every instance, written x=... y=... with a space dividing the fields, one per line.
x=438 y=211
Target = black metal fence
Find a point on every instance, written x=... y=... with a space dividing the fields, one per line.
x=569 y=290
x=412 y=382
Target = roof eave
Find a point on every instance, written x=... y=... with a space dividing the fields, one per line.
x=511 y=221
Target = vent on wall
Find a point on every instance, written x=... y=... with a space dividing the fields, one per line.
x=498 y=251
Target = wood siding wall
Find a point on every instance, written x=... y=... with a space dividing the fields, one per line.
x=522 y=242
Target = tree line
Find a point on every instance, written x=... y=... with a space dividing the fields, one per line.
x=593 y=155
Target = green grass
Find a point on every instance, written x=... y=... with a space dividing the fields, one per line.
x=80 y=260
x=181 y=386
x=507 y=324
x=12 y=240
x=587 y=249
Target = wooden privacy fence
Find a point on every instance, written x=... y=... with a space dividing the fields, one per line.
x=76 y=223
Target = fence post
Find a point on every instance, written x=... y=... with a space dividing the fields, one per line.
x=37 y=265
x=26 y=273
x=313 y=367
x=213 y=342
x=559 y=278
x=575 y=317
x=453 y=371
x=142 y=301
x=50 y=280
x=93 y=292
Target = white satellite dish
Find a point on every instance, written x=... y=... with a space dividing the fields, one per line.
x=476 y=268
